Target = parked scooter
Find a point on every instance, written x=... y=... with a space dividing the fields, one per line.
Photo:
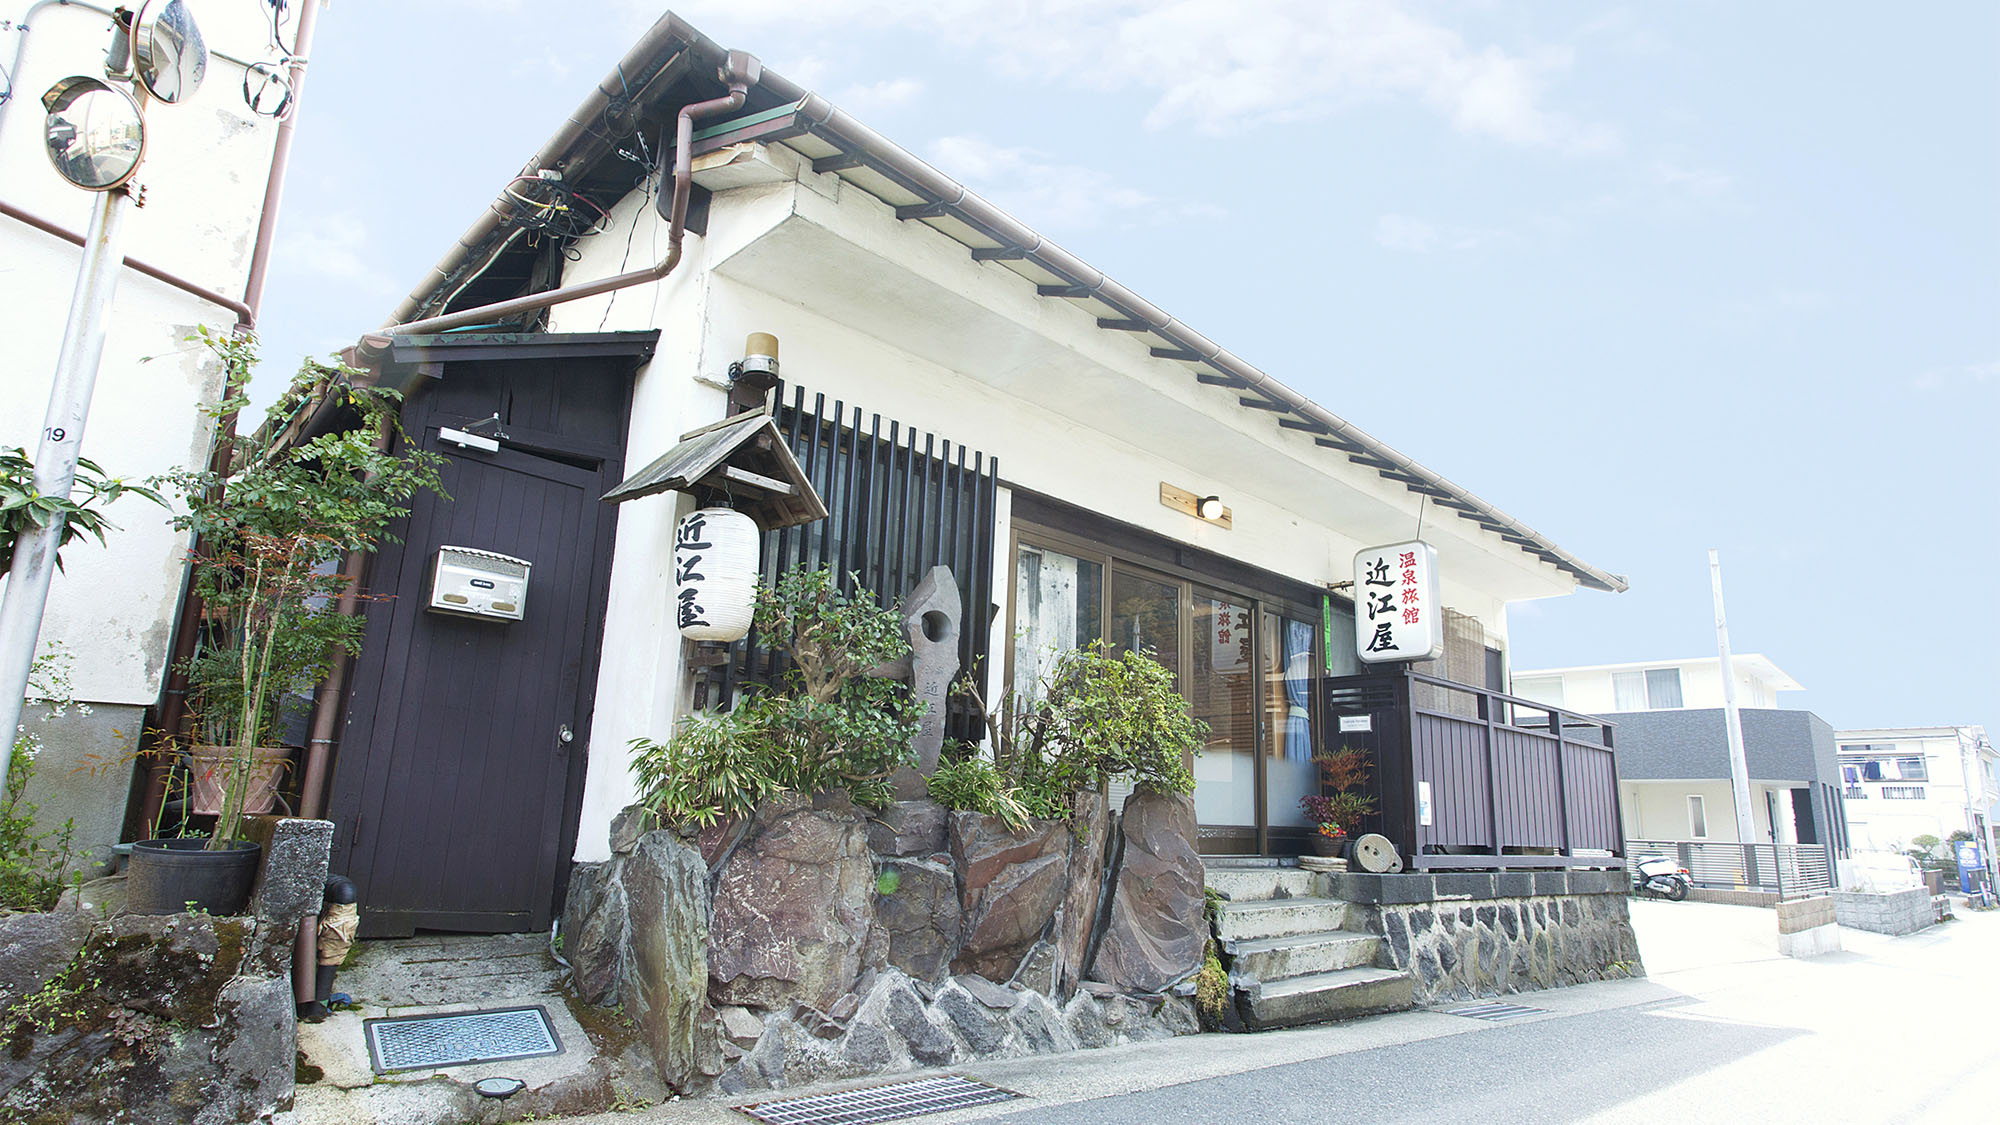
x=1659 y=875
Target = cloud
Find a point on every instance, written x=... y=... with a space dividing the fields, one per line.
x=886 y=94
x=1218 y=67
x=1703 y=183
x=1058 y=195
x=335 y=245
x=1968 y=375
x=1409 y=235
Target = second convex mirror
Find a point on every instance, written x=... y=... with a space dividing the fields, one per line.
x=168 y=52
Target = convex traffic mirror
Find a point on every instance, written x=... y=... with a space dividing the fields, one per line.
x=168 y=51
x=95 y=134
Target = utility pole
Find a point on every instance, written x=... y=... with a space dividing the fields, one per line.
x=34 y=562
x=1739 y=767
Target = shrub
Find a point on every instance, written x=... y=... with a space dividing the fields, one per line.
x=1343 y=774
x=35 y=865
x=826 y=725
x=973 y=784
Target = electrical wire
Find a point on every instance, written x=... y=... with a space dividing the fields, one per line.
x=552 y=207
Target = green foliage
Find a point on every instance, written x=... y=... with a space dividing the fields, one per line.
x=35 y=863
x=274 y=527
x=973 y=784
x=828 y=725
x=1211 y=987
x=22 y=508
x=1341 y=803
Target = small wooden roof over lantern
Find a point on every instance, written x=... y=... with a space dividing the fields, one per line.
x=742 y=460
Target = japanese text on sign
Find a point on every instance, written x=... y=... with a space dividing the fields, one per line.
x=689 y=544
x=1396 y=603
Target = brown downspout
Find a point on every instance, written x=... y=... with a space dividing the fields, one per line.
x=172 y=717
x=741 y=72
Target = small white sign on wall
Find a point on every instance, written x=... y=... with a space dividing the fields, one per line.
x=1424 y=803
x=1352 y=723
x=1396 y=610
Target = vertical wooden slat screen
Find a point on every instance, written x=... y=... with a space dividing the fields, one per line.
x=899 y=503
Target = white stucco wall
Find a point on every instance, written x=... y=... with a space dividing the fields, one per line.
x=894 y=317
x=1590 y=692
x=1875 y=823
x=1658 y=810
x=204 y=179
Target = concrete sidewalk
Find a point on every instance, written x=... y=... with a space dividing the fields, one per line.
x=1889 y=1029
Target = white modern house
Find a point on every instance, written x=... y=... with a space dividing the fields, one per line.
x=958 y=391
x=193 y=254
x=1673 y=750
x=1905 y=782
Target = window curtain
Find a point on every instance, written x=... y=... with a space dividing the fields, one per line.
x=1298 y=673
x=1628 y=691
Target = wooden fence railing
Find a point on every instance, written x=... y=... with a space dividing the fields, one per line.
x=1472 y=779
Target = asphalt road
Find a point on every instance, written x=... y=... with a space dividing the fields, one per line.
x=1723 y=1029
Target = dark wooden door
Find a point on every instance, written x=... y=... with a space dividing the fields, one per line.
x=456 y=792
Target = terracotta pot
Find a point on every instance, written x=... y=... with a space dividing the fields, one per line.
x=1333 y=847
x=212 y=767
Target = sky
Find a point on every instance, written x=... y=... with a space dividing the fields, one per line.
x=1653 y=278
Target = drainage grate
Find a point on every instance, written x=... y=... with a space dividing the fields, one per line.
x=1495 y=1013
x=459 y=1038
x=881 y=1103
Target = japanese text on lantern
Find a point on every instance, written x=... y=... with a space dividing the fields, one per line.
x=689 y=543
x=1395 y=596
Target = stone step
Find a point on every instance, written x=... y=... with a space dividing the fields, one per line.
x=1257 y=883
x=1280 y=958
x=1278 y=917
x=1324 y=997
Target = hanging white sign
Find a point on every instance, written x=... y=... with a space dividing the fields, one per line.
x=1396 y=611
x=715 y=574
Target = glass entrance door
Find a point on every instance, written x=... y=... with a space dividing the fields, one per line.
x=1145 y=616
x=1220 y=686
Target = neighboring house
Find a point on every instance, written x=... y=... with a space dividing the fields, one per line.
x=1905 y=782
x=1673 y=748
x=190 y=253
x=959 y=390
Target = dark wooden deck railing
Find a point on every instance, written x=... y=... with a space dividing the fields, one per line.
x=1472 y=779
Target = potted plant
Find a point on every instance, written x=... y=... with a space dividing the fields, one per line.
x=271 y=530
x=1337 y=810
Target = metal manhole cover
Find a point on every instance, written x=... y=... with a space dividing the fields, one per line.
x=459 y=1038
x=880 y=1103
x=1495 y=1013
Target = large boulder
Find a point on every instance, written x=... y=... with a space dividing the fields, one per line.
x=792 y=910
x=1010 y=884
x=664 y=979
x=1158 y=928
x=908 y=828
x=593 y=929
x=916 y=904
x=1090 y=838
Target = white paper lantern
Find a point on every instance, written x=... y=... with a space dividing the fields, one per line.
x=715 y=574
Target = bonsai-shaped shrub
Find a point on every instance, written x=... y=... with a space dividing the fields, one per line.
x=273 y=529
x=827 y=725
x=1343 y=776
x=1101 y=714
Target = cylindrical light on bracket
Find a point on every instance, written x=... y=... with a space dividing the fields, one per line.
x=715 y=574
x=1209 y=507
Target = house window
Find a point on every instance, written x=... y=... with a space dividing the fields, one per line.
x=1697 y=818
x=1628 y=691
x=1663 y=688
x=1912 y=769
x=1850 y=774
x=1541 y=689
x=1856 y=793
x=1902 y=792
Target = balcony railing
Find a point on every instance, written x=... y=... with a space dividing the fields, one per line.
x=1472 y=779
x=1788 y=870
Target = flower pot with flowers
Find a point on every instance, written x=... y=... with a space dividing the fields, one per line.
x=272 y=529
x=1336 y=810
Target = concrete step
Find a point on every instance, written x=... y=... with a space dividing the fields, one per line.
x=1256 y=883
x=1324 y=997
x=1279 y=958
x=1280 y=917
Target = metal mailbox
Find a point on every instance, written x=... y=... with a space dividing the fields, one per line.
x=471 y=583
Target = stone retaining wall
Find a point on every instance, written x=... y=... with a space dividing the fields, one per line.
x=1806 y=927
x=1898 y=912
x=1465 y=935
x=818 y=940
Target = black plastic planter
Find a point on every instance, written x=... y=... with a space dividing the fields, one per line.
x=172 y=876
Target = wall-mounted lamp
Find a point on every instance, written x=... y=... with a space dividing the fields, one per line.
x=1209 y=509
